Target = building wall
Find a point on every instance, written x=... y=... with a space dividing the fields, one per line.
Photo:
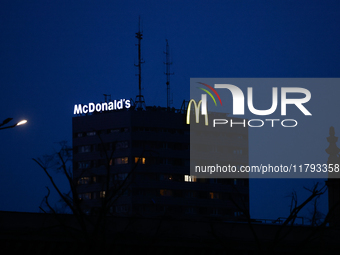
x=148 y=152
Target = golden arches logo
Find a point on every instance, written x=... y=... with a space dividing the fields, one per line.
x=204 y=111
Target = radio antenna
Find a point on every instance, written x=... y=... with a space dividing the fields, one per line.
x=140 y=103
x=167 y=73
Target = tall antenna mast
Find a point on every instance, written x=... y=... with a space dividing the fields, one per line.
x=167 y=73
x=140 y=103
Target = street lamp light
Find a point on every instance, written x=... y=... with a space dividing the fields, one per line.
x=22 y=122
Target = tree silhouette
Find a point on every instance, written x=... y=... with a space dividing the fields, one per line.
x=91 y=228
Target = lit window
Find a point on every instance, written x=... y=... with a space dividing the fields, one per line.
x=119 y=161
x=102 y=194
x=139 y=160
x=213 y=195
x=189 y=178
x=166 y=177
x=84 y=180
x=166 y=192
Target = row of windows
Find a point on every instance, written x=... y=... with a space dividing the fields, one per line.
x=91 y=195
x=161 y=130
x=83 y=134
x=191 y=178
x=98 y=194
x=123 y=176
x=107 y=131
x=134 y=129
x=101 y=179
x=102 y=147
x=165 y=177
x=197 y=194
x=101 y=162
x=135 y=144
x=155 y=145
x=137 y=160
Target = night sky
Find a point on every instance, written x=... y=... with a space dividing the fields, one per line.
x=55 y=54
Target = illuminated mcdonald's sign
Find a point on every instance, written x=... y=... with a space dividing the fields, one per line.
x=204 y=110
x=101 y=107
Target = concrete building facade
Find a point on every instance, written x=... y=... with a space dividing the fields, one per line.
x=140 y=159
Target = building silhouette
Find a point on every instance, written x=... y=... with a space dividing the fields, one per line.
x=146 y=155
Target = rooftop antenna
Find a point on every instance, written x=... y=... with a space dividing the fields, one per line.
x=140 y=103
x=107 y=96
x=167 y=73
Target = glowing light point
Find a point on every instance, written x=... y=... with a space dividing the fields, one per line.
x=22 y=122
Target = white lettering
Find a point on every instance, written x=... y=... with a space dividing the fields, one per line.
x=297 y=101
x=110 y=106
x=91 y=107
x=127 y=104
x=85 y=108
x=219 y=121
x=251 y=124
x=104 y=106
x=262 y=112
x=120 y=104
x=289 y=120
x=272 y=120
x=77 y=109
x=262 y=123
x=231 y=123
x=98 y=107
x=101 y=107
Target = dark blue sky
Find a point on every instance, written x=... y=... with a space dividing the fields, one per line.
x=54 y=54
